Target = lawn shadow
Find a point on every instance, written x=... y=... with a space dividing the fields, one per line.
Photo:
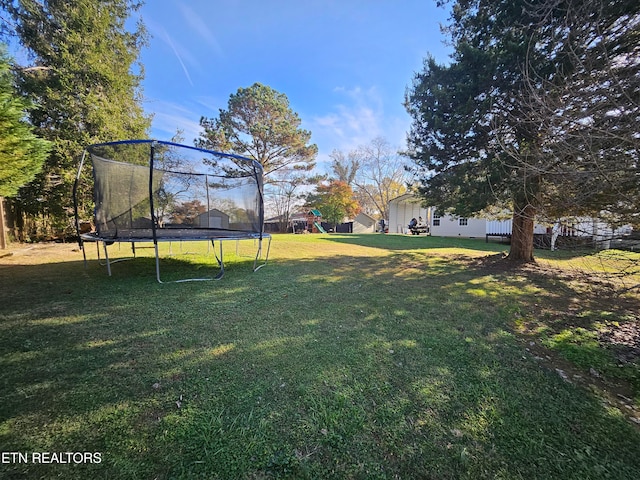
x=412 y=242
x=342 y=367
x=395 y=242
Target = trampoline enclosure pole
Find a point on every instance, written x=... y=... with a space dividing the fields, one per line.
x=151 y=205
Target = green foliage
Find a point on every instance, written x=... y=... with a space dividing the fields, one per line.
x=335 y=201
x=21 y=152
x=456 y=109
x=85 y=84
x=484 y=132
x=186 y=212
x=584 y=109
x=260 y=124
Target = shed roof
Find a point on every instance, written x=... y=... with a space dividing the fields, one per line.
x=406 y=198
x=363 y=215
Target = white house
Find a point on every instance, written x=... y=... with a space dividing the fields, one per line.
x=405 y=207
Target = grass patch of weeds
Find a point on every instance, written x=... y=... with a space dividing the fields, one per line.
x=578 y=345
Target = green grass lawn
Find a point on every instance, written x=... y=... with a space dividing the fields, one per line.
x=347 y=356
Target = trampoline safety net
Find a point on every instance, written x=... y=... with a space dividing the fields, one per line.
x=149 y=190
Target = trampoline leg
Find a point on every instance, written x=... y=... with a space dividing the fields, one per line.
x=157 y=263
x=259 y=254
x=106 y=257
x=220 y=261
x=217 y=277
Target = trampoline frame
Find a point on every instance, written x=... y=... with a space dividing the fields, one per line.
x=156 y=235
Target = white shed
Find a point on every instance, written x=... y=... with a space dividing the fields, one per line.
x=364 y=223
x=402 y=209
x=405 y=207
x=214 y=218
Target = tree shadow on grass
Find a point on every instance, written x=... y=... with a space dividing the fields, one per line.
x=349 y=367
x=583 y=317
x=411 y=242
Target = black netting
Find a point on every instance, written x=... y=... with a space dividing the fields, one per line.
x=151 y=189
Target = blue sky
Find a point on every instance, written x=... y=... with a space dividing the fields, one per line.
x=344 y=65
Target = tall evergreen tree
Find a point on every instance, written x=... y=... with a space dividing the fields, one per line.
x=85 y=82
x=589 y=108
x=22 y=153
x=476 y=135
x=260 y=124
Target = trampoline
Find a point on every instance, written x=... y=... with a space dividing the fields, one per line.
x=155 y=191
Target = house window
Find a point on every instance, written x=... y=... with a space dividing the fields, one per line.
x=463 y=222
x=436 y=220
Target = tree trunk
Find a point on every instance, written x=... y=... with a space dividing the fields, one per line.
x=3 y=235
x=522 y=234
x=14 y=218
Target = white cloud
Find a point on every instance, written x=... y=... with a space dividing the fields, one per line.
x=356 y=120
x=330 y=123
